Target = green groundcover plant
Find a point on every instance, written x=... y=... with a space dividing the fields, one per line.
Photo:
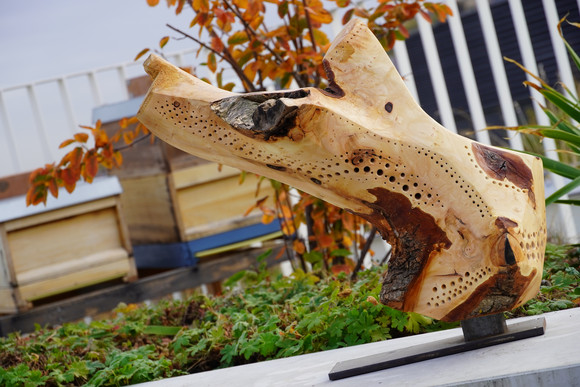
x=261 y=316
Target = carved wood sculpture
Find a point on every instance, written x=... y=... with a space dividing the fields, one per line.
x=466 y=220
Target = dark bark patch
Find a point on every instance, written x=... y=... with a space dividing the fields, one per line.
x=415 y=237
x=501 y=165
x=333 y=90
x=260 y=115
x=504 y=223
x=499 y=293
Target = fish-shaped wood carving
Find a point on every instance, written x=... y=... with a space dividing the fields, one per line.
x=466 y=220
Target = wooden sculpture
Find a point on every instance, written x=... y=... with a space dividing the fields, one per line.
x=466 y=220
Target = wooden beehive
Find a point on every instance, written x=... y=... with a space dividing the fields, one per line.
x=76 y=241
x=172 y=197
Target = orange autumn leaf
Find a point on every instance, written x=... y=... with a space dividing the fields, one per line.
x=81 y=137
x=268 y=218
x=73 y=158
x=128 y=137
x=217 y=44
x=66 y=143
x=118 y=158
x=69 y=179
x=340 y=268
x=298 y=246
x=211 y=62
x=101 y=138
x=288 y=228
x=325 y=240
x=141 y=53
x=163 y=41
x=91 y=166
x=53 y=187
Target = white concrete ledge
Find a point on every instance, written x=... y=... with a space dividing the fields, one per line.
x=549 y=360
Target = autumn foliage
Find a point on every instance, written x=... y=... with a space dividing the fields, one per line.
x=91 y=149
x=253 y=45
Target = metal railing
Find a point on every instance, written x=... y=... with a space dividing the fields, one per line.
x=36 y=117
x=564 y=219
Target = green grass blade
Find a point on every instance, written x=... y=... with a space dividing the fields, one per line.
x=563 y=103
x=572 y=202
x=562 y=124
x=557 y=134
x=572 y=53
x=563 y=191
x=558 y=167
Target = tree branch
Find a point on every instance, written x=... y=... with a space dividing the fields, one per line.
x=364 y=252
x=252 y=31
x=314 y=46
x=225 y=55
x=309 y=25
x=185 y=34
x=133 y=143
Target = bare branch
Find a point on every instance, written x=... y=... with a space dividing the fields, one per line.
x=225 y=55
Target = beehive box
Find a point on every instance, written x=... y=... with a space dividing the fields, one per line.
x=172 y=197
x=76 y=241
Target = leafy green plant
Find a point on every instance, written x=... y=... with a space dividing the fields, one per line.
x=260 y=316
x=273 y=317
x=560 y=287
x=563 y=126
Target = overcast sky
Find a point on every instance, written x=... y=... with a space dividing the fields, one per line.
x=41 y=39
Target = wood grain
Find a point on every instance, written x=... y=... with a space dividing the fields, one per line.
x=466 y=220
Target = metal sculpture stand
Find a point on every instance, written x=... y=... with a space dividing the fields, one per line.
x=479 y=332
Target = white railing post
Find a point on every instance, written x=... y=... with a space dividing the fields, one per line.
x=498 y=70
x=528 y=57
x=41 y=127
x=467 y=75
x=436 y=74
x=529 y=61
x=564 y=69
x=123 y=78
x=14 y=156
x=404 y=67
x=95 y=89
x=67 y=104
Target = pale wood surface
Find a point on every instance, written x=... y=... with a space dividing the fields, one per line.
x=7 y=304
x=78 y=265
x=147 y=208
x=205 y=173
x=74 y=280
x=64 y=240
x=466 y=221
x=9 y=277
x=220 y=226
x=216 y=200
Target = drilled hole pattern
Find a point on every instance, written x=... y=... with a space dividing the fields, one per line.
x=357 y=166
x=534 y=244
x=457 y=286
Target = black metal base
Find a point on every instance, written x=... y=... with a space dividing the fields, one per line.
x=450 y=346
